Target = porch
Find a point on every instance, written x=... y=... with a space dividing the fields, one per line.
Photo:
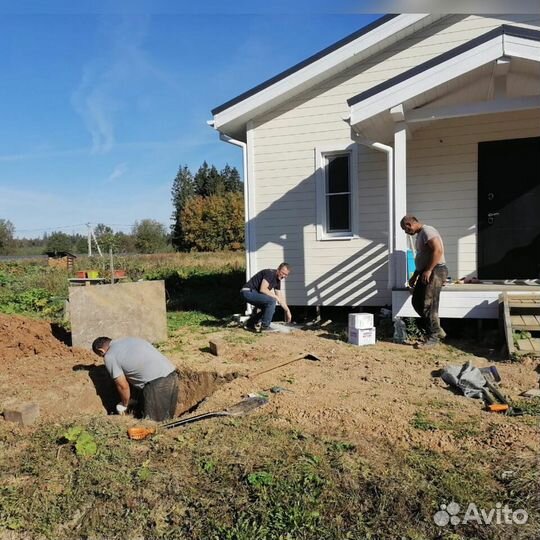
x=478 y=185
x=462 y=301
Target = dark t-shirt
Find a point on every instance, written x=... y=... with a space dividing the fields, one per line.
x=270 y=275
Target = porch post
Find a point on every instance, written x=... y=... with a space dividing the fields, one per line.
x=400 y=203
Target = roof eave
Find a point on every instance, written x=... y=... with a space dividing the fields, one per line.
x=231 y=117
x=485 y=48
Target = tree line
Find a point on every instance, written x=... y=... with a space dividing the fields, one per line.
x=208 y=209
x=208 y=215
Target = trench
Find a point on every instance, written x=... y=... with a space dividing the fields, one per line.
x=193 y=387
x=196 y=386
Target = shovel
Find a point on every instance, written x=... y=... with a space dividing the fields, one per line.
x=239 y=409
x=492 y=377
x=303 y=356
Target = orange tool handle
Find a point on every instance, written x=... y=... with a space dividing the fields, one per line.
x=497 y=407
x=140 y=433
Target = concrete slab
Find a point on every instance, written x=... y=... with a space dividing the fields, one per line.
x=118 y=310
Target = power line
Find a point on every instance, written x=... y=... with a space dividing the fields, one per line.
x=52 y=228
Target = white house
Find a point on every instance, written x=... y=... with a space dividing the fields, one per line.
x=429 y=114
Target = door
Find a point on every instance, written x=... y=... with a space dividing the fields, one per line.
x=509 y=209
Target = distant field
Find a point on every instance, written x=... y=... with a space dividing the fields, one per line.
x=206 y=282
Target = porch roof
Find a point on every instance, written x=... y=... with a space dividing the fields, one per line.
x=495 y=72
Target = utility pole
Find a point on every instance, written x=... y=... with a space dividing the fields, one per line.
x=97 y=245
x=89 y=239
x=91 y=236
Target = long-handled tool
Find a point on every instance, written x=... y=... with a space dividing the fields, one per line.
x=492 y=394
x=303 y=356
x=239 y=409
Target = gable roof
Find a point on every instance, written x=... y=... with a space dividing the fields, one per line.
x=461 y=59
x=304 y=63
x=231 y=117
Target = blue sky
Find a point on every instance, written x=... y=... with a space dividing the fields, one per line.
x=100 y=105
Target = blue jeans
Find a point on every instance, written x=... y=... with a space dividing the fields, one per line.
x=262 y=301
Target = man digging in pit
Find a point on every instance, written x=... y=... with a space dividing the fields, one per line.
x=134 y=362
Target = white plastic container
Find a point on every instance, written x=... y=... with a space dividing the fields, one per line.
x=362 y=336
x=361 y=321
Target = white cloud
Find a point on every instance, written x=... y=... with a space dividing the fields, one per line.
x=118 y=172
x=107 y=81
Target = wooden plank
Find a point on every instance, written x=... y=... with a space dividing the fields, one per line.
x=529 y=345
x=517 y=320
x=522 y=304
x=507 y=324
x=529 y=320
x=525 y=322
x=525 y=345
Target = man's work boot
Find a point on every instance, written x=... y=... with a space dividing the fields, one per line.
x=251 y=324
x=270 y=328
x=429 y=343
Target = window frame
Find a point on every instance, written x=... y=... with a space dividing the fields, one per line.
x=321 y=162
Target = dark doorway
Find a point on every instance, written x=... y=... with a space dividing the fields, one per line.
x=509 y=209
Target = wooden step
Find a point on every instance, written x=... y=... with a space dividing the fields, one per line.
x=523 y=302
x=530 y=345
x=521 y=313
x=525 y=322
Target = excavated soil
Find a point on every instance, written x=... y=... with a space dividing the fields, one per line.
x=384 y=394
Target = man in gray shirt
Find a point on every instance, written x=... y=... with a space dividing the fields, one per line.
x=429 y=276
x=134 y=361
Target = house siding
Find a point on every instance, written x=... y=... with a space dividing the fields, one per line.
x=354 y=271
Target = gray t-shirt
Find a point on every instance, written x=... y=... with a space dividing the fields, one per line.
x=139 y=361
x=423 y=252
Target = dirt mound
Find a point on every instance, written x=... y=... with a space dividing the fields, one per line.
x=21 y=338
x=36 y=366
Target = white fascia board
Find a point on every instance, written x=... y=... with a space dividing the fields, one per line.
x=314 y=70
x=521 y=48
x=454 y=67
x=426 y=114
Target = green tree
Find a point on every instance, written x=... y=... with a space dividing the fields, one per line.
x=124 y=243
x=150 y=236
x=105 y=236
x=208 y=181
x=231 y=179
x=201 y=181
x=183 y=189
x=7 y=231
x=59 y=241
x=214 y=223
x=79 y=243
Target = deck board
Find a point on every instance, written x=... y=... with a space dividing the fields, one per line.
x=529 y=345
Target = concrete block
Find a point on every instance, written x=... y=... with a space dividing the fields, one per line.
x=217 y=346
x=22 y=413
x=118 y=310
